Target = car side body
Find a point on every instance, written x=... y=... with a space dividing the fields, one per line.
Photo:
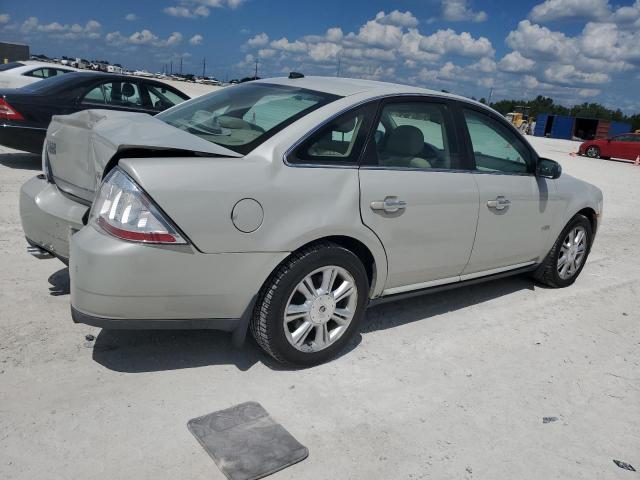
x=25 y=113
x=625 y=146
x=418 y=216
x=20 y=74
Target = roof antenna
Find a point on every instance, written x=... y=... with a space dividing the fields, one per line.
x=294 y=75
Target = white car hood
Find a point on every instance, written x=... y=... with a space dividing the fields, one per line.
x=80 y=145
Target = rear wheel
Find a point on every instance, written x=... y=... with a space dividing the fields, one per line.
x=592 y=151
x=565 y=261
x=311 y=306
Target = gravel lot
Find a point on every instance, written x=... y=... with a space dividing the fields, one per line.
x=452 y=385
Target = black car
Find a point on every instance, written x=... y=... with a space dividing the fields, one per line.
x=25 y=112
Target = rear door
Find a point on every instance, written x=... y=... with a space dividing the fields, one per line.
x=417 y=195
x=516 y=207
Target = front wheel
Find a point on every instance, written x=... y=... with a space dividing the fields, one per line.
x=565 y=261
x=592 y=151
x=311 y=305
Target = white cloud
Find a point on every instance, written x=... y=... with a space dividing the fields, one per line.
x=588 y=92
x=447 y=41
x=4 y=18
x=259 y=40
x=459 y=11
x=144 y=37
x=284 y=44
x=266 y=52
x=196 y=39
x=131 y=17
x=485 y=65
x=220 y=3
x=378 y=34
x=570 y=75
x=185 y=12
x=75 y=31
x=334 y=34
x=514 y=62
x=537 y=42
x=552 y=10
x=398 y=18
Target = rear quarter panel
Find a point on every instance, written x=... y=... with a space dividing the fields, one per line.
x=300 y=205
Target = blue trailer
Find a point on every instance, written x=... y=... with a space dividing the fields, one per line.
x=617 y=128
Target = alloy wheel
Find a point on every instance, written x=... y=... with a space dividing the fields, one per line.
x=572 y=252
x=593 y=152
x=320 y=309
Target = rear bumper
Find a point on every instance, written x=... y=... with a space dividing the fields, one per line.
x=48 y=217
x=22 y=138
x=119 y=284
x=224 y=324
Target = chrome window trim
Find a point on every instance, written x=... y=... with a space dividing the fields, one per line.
x=345 y=110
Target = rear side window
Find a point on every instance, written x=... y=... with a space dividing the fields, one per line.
x=122 y=94
x=162 y=98
x=496 y=148
x=242 y=117
x=338 y=143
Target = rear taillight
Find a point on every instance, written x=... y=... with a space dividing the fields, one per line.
x=122 y=209
x=7 y=112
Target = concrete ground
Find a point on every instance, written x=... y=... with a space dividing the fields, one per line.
x=453 y=385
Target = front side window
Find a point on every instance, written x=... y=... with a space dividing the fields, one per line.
x=338 y=143
x=162 y=98
x=122 y=94
x=413 y=134
x=495 y=147
x=242 y=117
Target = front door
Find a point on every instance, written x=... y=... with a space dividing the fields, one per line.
x=624 y=146
x=416 y=195
x=516 y=207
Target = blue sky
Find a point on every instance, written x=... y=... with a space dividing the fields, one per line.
x=571 y=50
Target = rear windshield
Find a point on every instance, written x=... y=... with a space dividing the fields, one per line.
x=8 y=66
x=242 y=117
x=49 y=84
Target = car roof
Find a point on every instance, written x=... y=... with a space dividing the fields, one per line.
x=351 y=86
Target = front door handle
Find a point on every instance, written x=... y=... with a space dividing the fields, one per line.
x=500 y=203
x=389 y=205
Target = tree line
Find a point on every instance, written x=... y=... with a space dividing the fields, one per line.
x=542 y=104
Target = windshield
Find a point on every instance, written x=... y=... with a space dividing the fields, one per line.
x=242 y=117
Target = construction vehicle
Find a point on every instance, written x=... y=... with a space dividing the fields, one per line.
x=520 y=116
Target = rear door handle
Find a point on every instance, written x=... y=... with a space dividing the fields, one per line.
x=389 y=205
x=500 y=203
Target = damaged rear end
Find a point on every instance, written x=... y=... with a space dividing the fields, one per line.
x=79 y=151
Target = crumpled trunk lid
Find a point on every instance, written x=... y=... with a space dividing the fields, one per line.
x=80 y=145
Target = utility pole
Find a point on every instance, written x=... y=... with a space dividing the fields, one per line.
x=171 y=71
x=204 y=63
x=180 y=65
x=255 y=75
x=490 y=95
x=339 y=63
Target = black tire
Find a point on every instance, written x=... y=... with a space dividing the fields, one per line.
x=267 y=323
x=547 y=272
x=592 y=151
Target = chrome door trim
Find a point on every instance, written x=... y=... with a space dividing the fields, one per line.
x=456 y=279
x=493 y=271
x=419 y=286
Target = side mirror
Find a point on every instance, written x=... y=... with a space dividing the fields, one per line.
x=548 y=168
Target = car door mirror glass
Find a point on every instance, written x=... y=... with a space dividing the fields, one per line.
x=549 y=168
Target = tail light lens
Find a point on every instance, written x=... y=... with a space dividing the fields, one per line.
x=122 y=209
x=7 y=112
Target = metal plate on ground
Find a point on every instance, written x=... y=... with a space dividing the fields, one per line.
x=245 y=442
